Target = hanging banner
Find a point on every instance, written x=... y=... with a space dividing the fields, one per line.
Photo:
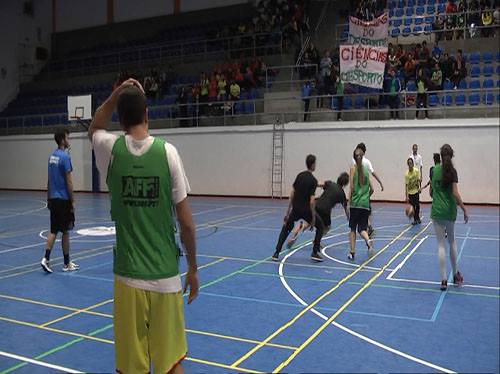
x=363 y=65
x=369 y=32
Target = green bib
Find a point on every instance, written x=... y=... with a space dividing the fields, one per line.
x=361 y=194
x=141 y=207
x=444 y=205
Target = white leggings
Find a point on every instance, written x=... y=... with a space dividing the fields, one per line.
x=439 y=227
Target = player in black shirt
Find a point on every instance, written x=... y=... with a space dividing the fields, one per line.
x=301 y=206
x=333 y=194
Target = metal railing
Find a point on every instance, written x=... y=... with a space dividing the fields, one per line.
x=251 y=45
x=356 y=106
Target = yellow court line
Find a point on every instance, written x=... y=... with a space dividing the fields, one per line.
x=64 y=332
x=111 y=342
x=310 y=306
x=244 y=340
x=79 y=311
x=349 y=302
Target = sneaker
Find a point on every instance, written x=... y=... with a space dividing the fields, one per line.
x=458 y=279
x=419 y=221
x=70 y=267
x=371 y=231
x=371 y=252
x=46 y=265
x=444 y=285
x=315 y=256
x=350 y=256
x=291 y=242
x=275 y=256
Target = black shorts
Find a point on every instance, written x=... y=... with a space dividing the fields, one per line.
x=358 y=218
x=62 y=217
x=297 y=215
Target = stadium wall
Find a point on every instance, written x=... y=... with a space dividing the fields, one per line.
x=236 y=161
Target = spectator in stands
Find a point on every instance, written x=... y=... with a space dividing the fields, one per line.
x=306 y=71
x=438 y=27
x=436 y=52
x=436 y=82
x=221 y=88
x=249 y=79
x=421 y=93
x=446 y=65
x=182 y=100
x=313 y=53
x=401 y=56
x=459 y=70
x=306 y=93
x=340 y=97
x=451 y=7
x=410 y=67
x=424 y=55
x=234 y=91
x=487 y=21
x=212 y=89
x=325 y=64
x=393 y=87
x=203 y=93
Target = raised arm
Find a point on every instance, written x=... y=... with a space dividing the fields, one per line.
x=103 y=114
x=187 y=234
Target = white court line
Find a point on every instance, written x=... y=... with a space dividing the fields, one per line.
x=215 y=210
x=406 y=257
x=26 y=212
x=436 y=283
x=352 y=332
x=39 y=363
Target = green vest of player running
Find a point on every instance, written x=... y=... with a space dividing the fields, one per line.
x=444 y=205
x=361 y=194
x=141 y=207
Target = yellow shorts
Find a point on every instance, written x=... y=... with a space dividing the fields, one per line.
x=148 y=326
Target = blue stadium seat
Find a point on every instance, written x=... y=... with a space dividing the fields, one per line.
x=397 y=22
x=447 y=100
x=428 y=29
x=487 y=57
x=409 y=12
x=429 y=19
x=441 y=8
x=475 y=58
x=421 y=2
x=475 y=84
x=411 y=86
x=488 y=70
x=474 y=99
x=419 y=20
x=460 y=100
x=399 y=12
x=359 y=102
x=433 y=100
x=395 y=32
x=347 y=102
x=408 y=21
x=419 y=11
x=391 y=5
x=410 y=3
x=417 y=30
x=488 y=99
x=498 y=56
x=238 y=108
x=406 y=31
x=498 y=69
x=475 y=72
x=462 y=85
x=401 y=3
x=488 y=83
x=431 y=9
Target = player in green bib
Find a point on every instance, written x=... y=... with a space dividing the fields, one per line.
x=359 y=200
x=445 y=197
x=146 y=182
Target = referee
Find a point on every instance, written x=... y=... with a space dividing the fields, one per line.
x=60 y=201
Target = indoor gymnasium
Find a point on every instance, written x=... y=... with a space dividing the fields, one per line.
x=249 y=186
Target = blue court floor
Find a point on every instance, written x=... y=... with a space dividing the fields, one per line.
x=384 y=314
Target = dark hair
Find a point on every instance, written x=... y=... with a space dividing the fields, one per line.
x=59 y=136
x=343 y=179
x=130 y=107
x=361 y=146
x=437 y=158
x=310 y=161
x=448 y=168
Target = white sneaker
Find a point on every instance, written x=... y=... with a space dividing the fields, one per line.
x=46 y=265
x=71 y=267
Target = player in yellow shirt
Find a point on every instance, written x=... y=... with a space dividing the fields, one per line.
x=412 y=189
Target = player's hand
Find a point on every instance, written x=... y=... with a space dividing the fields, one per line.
x=466 y=216
x=191 y=282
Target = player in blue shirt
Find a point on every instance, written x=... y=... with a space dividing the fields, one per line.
x=60 y=200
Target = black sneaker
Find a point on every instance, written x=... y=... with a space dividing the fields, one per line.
x=444 y=285
x=371 y=231
x=276 y=256
x=458 y=279
x=315 y=256
x=350 y=256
